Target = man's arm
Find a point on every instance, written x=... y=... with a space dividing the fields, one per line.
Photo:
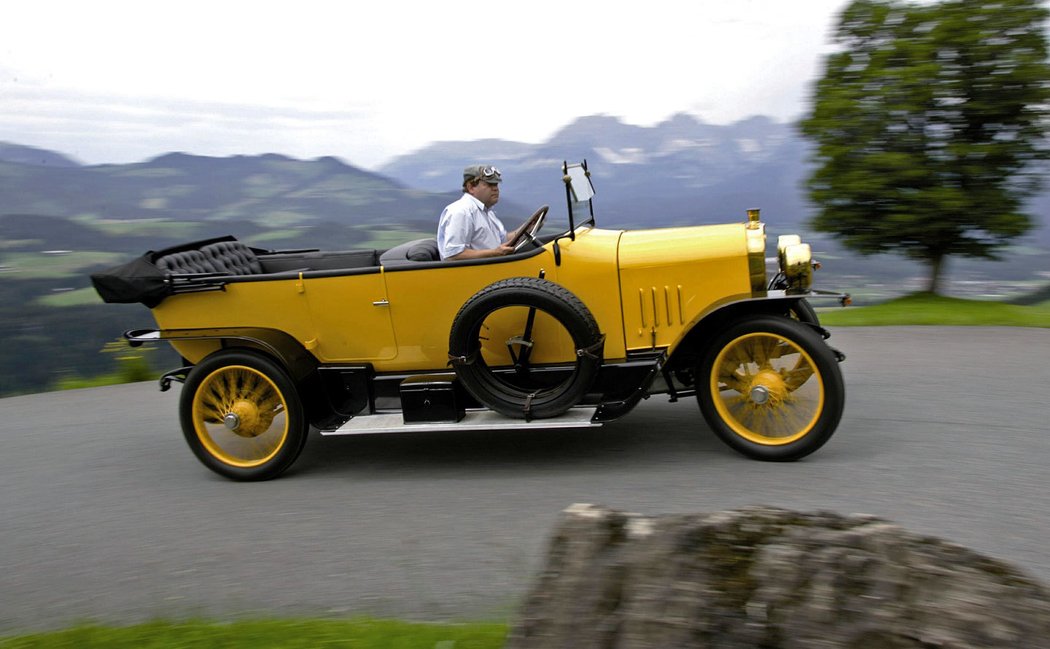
x=469 y=253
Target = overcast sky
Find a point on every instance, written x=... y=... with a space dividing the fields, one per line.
x=108 y=81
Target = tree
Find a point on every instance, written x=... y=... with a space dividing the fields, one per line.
x=930 y=126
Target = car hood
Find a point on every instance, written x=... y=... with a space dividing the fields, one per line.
x=668 y=246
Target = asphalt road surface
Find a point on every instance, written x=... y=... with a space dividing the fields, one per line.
x=106 y=516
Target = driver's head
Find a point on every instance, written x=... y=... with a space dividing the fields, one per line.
x=482 y=182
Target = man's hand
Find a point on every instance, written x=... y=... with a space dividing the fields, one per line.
x=511 y=236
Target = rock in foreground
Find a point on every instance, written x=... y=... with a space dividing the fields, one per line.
x=772 y=579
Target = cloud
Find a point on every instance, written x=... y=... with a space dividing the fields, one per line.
x=115 y=81
x=113 y=128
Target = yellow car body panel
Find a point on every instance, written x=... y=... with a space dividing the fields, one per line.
x=275 y=304
x=670 y=277
x=588 y=269
x=350 y=319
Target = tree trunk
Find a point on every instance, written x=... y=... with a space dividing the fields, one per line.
x=936 y=264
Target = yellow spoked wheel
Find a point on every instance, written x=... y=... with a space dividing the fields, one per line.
x=242 y=416
x=771 y=388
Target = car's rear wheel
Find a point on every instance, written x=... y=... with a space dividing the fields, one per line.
x=771 y=389
x=241 y=416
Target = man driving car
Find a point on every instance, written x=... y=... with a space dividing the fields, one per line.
x=468 y=227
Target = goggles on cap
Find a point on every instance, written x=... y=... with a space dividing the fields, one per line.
x=488 y=172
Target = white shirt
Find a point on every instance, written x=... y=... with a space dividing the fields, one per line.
x=467 y=224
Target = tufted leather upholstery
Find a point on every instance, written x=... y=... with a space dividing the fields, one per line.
x=225 y=257
x=234 y=257
x=188 y=261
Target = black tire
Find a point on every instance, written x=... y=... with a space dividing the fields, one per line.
x=803 y=311
x=770 y=388
x=242 y=416
x=508 y=393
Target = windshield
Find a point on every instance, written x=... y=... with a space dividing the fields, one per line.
x=578 y=192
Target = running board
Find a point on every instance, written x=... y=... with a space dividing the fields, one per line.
x=474 y=420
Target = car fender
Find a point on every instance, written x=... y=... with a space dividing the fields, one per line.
x=684 y=352
x=282 y=347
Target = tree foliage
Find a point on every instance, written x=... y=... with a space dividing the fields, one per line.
x=930 y=125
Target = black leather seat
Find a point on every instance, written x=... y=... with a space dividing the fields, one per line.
x=412 y=251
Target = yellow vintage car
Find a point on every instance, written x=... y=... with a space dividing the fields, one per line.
x=572 y=330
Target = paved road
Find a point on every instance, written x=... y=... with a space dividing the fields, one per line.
x=105 y=514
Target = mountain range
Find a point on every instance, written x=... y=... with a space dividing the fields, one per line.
x=680 y=171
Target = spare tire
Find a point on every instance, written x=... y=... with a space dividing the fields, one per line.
x=514 y=393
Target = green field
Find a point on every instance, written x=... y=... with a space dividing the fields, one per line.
x=80 y=296
x=927 y=309
x=141 y=227
x=384 y=239
x=362 y=633
x=55 y=265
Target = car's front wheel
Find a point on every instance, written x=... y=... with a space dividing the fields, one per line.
x=770 y=388
x=242 y=416
x=803 y=311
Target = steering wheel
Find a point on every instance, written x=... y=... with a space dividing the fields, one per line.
x=527 y=232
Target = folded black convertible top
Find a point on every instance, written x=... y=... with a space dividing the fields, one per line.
x=141 y=280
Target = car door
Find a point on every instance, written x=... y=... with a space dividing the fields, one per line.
x=424 y=300
x=351 y=316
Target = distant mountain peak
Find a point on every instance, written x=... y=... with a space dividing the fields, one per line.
x=182 y=157
x=28 y=155
x=682 y=120
x=170 y=156
x=331 y=161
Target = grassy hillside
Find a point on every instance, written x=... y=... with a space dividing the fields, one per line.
x=269 y=191
x=927 y=309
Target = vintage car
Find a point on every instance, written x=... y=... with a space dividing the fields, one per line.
x=573 y=329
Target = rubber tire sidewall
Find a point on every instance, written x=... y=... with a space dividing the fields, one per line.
x=554 y=300
x=826 y=364
x=298 y=427
x=804 y=312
